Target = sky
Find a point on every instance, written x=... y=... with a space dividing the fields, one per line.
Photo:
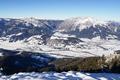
x=60 y=9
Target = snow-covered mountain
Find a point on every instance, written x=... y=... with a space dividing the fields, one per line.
x=22 y=29
x=86 y=35
x=81 y=36
x=89 y=28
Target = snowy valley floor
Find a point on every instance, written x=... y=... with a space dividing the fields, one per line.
x=71 y=75
x=87 y=48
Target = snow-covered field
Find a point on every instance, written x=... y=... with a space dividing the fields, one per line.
x=82 y=49
x=71 y=75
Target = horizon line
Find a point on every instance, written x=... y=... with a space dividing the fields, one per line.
x=45 y=18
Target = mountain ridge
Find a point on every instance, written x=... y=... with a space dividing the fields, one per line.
x=75 y=35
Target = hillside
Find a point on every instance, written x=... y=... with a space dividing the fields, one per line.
x=80 y=37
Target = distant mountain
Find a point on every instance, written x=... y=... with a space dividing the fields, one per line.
x=89 y=28
x=22 y=29
x=81 y=35
x=71 y=30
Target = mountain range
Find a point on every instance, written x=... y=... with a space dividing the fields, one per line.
x=74 y=37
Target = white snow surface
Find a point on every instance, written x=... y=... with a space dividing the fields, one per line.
x=31 y=20
x=81 y=23
x=90 y=47
x=59 y=35
x=70 y=75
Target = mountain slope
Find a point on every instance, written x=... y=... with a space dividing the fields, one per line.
x=22 y=29
x=80 y=37
x=90 y=28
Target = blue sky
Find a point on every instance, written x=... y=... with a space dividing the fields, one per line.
x=60 y=9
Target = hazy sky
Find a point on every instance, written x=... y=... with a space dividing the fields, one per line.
x=61 y=9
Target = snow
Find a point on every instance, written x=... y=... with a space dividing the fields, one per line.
x=88 y=21
x=35 y=22
x=87 y=48
x=84 y=22
x=11 y=45
x=70 y=75
x=81 y=23
x=35 y=39
x=59 y=35
x=8 y=36
x=31 y=20
x=7 y=19
x=19 y=34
